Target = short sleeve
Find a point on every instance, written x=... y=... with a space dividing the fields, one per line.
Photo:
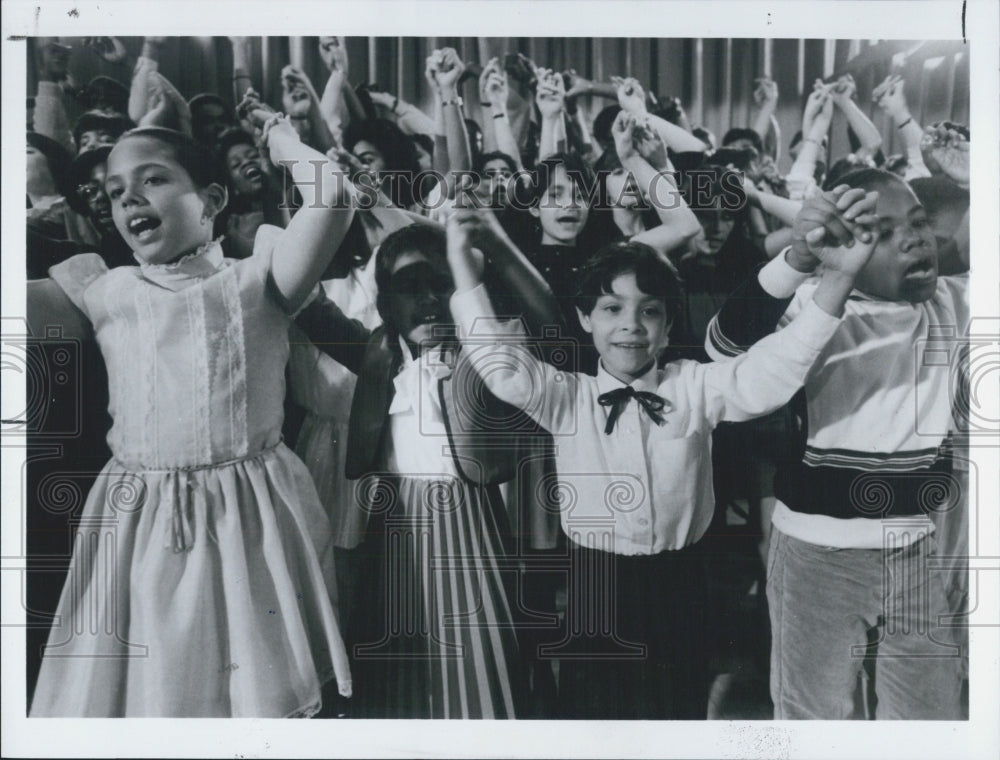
x=263 y=253
x=76 y=274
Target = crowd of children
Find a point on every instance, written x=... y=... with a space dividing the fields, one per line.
x=416 y=416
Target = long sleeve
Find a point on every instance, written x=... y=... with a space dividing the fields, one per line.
x=333 y=333
x=753 y=310
x=498 y=353
x=770 y=372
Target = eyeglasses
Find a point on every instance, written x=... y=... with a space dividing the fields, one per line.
x=89 y=191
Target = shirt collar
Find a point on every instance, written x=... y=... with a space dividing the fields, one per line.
x=608 y=382
x=204 y=262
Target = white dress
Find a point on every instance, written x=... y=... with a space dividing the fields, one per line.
x=196 y=586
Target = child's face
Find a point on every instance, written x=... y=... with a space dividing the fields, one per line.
x=496 y=180
x=562 y=211
x=904 y=265
x=209 y=121
x=245 y=173
x=370 y=156
x=629 y=328
x=94 y=138
x=97 y=200
x=417 y=299
x=717 y=226
x=157 y=208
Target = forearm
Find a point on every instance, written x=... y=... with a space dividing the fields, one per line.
x=523 y=281
x=553 y=137
x=333 y=333
x=867 y=133
x=676 y=138
x=762 y=122
x=412 y=120
x=316 y=231
x=331 y=104
x=673 y=212
x=784 y=209
x=456 y=134
x=504 y=135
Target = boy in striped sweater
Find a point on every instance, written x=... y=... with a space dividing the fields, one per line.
x=849 y=576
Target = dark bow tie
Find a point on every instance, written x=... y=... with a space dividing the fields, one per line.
x=618 y=399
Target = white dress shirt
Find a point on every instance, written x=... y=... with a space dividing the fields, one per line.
x=645 y=487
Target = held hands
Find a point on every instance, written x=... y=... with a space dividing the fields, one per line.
x=890 y=97
x=443 y=70
x=634 y=137
x=631 y=96
x=837 y=228
x=578 y=85
x=765 y=95
x=843 y=90
x=946 y=148
x=550 y=96
x=334 y=54
x=299 y=95
x=110 y=49
x=493 y=88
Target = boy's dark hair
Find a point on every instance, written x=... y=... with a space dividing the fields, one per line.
x=841 y=168
x=396 y=148
x=115 y=124
x=494 y=155
x=203 y=99
x=743 y=133
x=872 y=179
x=577 y=169
x=938 y=194
x=79 y=173
x=198 y=161
x=229 y=138
x=654 y=275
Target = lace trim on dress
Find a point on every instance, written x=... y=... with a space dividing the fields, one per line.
x=202 y=251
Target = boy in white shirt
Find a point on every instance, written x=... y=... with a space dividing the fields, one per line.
x=633 y=453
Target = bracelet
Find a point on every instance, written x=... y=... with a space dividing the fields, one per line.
x=501 y=115
x=905 y=123
x=457 y=101
x=814 y=142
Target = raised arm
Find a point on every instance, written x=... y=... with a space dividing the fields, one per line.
x=755 y=309
x=891 y=98
x=306 y=247
x=496 y=349
x=643 y=153
x=815 y=125
x=493 y=87
x=842 y=93
x=632 y=98
x=49 y=306
x=550 y=98
x=765 y=95
x=50 y=118
x=294 y=83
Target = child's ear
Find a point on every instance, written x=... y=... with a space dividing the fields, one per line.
x=216 y=197
x=584 y=320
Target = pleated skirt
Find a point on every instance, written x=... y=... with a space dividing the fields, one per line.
x=438 y=639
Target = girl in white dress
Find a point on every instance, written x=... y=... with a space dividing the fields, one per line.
x=195 y=587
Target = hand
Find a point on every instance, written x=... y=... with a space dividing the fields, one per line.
x=621 y=131
x=578 y=85
x=493 y=87
x=843 y=90
x=54 y=59
x=447 y=70
x=847 y=259
x=821 y=123
x=464 y=229
x=844 y=215
x=650 y=144
x=814 y=104
x=110 y=49
x=631 y=96
x=765 y=95
x=521 y=68
x=253 y=110
x=890 y=97
x=298 y=93
x=349 y=163
x=334 y=54
x=550 y=95
x=946 y=149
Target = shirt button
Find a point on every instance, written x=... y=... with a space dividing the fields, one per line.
x=643 y=522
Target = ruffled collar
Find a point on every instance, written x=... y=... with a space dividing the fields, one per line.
x=201 y=263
